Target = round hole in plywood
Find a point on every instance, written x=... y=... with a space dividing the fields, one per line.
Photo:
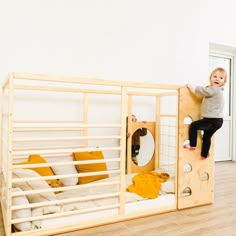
x=204 y=176
x=186 y=142
x=186 y=192
x=187 y=168
x=187 y=120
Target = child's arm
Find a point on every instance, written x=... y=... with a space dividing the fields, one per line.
x=208 y=91
x=191 y=87
x=203 y=91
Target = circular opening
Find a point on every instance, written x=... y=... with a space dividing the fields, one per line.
x=187 y=120
x=187 y=168
x=186 y=192
x=204 y=176
x=186 y=142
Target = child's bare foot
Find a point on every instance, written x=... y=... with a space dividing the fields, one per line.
x=203 y=158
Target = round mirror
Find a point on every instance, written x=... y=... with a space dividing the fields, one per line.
x=143 y=152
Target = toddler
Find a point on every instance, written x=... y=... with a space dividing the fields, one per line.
x=211 y=111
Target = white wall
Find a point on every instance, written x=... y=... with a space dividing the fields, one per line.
x=141 y=40
x=222 y=20
x=163 y=41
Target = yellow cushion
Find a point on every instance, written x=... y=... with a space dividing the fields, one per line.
x=83 y=168
x=43 y=171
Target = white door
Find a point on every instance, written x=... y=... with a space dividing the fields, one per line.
x=223 y=137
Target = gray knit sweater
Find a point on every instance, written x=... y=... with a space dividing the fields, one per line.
x=213 y=101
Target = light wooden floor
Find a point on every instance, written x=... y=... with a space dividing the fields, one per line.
x=218 y=219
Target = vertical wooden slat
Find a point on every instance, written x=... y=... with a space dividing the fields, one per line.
x=2 y=135
x=123 y=157
x=9 y=161
x=85 y=118
x=157 y=133
x=129 y=138
x=177 y=147
x=3 y=154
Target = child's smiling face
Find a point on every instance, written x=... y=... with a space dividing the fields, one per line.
x=218 y=79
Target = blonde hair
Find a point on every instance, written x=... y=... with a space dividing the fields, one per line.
x=220 y=69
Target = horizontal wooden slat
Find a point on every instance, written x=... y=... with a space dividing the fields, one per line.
x=16 y=180
x=64 y=138
x=15 y=153
x=27 y=76
x=168 y=115
x=65 y=188
x=67 y=213
x=68 y=125
x=64 y=163
x=63 y=89
x=64 y=201
x=46 y=147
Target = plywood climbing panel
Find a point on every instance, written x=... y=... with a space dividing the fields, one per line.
x=195 y=176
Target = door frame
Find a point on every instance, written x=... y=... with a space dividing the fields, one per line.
x=230 y=52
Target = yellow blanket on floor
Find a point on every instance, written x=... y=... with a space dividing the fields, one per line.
x=148 y=185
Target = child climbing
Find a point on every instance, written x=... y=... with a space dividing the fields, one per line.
x=211 y=111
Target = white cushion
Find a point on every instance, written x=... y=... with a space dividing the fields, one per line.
x=168 y=187
x=64 y=170
x=33 y=185
x=37 y=197
x=22 y=213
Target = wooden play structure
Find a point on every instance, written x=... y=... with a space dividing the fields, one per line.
x=65 y=166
